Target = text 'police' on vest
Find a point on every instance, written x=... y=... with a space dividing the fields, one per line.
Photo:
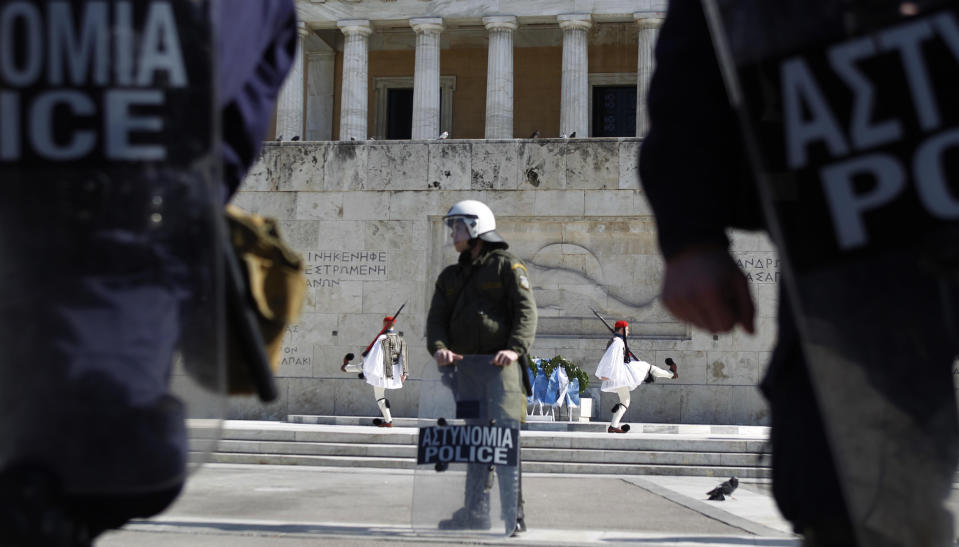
x=876 y=108
x=82 y=79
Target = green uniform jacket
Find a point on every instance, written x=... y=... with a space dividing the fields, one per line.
x=483 y=306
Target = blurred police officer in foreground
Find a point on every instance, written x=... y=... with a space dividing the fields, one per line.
x=695 y=172
x=483 y=304
x=108 y=205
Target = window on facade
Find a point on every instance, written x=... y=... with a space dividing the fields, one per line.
x=399 y=113
x=614 y=111
x=393 y=110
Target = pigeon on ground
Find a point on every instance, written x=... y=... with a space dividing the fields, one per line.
x=725 y=488
x=295 y=138
x=444 y=134
x=535 y=134
x=572 y=135
x=352 y=138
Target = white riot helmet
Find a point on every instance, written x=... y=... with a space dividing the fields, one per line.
x=477 y=218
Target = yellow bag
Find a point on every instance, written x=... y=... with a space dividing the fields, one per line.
x=276 y=285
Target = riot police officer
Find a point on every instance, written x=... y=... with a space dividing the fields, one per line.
x=483 y=304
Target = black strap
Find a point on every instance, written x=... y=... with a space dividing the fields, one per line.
x=525 y=371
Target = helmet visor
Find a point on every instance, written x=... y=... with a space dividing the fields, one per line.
x=459 y=230
x=451 y=220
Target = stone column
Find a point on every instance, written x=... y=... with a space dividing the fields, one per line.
x=649 y=23
x=499 y=77
x=320 y=90
x=426 y=78
x=354 y=99
x=574 y=106
x=292 y=99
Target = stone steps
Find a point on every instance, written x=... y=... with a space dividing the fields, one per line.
x=543 y=455
x=691 y=451
x=596 y=427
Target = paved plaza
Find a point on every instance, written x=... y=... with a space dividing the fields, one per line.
x=227 y=505
x=247 y=505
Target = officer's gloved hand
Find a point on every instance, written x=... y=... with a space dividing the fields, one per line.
x=445 y=357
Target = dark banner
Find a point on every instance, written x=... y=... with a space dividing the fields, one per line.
x=486 y=444
x=860 y=139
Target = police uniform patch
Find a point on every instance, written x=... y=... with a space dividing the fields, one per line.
x=523 y=282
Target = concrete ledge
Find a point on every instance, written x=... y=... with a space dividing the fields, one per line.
x=326 y=461
x=352 y=450
x=528 y=466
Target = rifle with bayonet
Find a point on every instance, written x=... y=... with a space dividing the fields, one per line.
x=349 y=356
x=649 y=376
x=612 y=330
x=384 y=329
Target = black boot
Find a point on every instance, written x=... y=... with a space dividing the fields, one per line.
x=464 y=519
x=474 y=515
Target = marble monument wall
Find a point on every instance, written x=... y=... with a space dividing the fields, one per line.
x=366 y=216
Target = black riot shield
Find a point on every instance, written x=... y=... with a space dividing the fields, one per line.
x=110 y=245
x=467 y=473
x=852 y=128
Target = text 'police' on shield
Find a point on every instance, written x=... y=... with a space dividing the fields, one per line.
x=487 y=444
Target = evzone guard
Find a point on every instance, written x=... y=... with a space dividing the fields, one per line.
x=385 y=366
x=621 y=371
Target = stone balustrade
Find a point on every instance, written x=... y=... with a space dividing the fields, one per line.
x=509 y=164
